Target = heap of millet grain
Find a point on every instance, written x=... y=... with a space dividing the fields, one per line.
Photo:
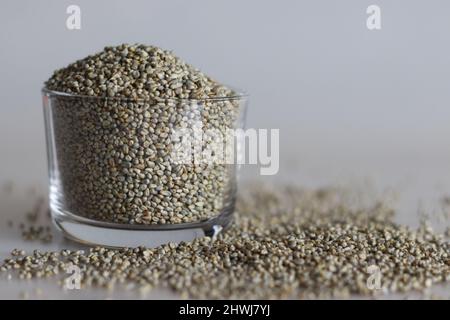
x=284 y=243
x=114 y=137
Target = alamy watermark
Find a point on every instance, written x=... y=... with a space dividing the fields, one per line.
x=195 y=145
x=73 y=21
x=374 y=280
x=373 y=21
x=73 y=282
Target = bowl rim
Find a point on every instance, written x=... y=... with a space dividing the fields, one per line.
x=240 y=95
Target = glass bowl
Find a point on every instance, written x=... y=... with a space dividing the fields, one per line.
x=126 y=173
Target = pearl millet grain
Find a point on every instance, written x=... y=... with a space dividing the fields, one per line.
x=284 y=243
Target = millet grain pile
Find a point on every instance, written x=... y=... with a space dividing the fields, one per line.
x=114 y=146
x=284 y=243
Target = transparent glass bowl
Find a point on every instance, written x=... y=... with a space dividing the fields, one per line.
x=125 y=173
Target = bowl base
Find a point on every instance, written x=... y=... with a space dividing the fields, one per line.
x=96 y=233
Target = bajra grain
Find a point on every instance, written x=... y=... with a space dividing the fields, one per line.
x=285 y=243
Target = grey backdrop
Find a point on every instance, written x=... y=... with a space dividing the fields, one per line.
x=359 y=108
x=349 y=102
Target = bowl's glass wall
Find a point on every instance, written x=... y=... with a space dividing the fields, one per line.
x=142 y=162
